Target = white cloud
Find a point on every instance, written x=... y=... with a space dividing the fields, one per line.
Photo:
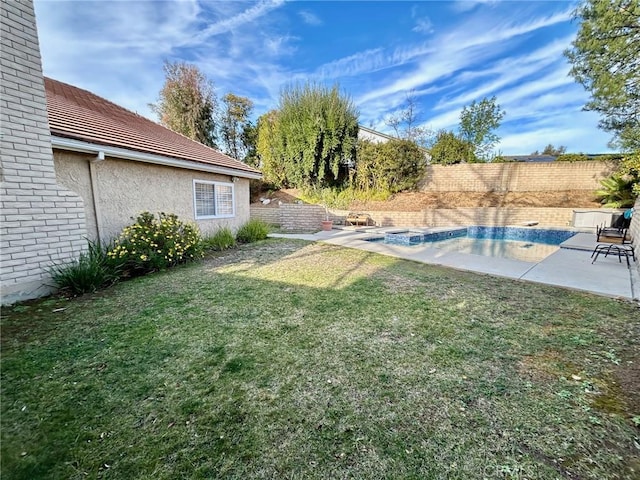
x=247 y=16
x=310 y=18
x=423 y=25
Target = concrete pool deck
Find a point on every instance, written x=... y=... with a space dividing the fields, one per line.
x=569 y=267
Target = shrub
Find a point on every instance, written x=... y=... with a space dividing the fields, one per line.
x=152 y=244
x=573 y=157
x=621 y=189
x=92 y=270
x=342 y=198
x=616 y=192
x=223 y=239
x=449 y=149
x=392 y=166
x=252 y=231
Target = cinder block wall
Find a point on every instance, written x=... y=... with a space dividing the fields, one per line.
x=307 y=218
x=40 y=223
x=270 y=215
x=490 y=216
x=516 y=177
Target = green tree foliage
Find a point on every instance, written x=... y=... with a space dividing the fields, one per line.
x=393 y=166
x=187 y=103
x=312 y=137
x=250 y=142
x=478 y=123
x=621 y=189
x=449 y=148
x=551 y=150
x=573 y=157
x=270 y=150
x=234 y=123
x=604 y=59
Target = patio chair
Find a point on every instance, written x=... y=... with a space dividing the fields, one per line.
x=617 y=232
x=358 y=219
x=615 y=239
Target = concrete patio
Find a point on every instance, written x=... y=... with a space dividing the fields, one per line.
x=569 y=267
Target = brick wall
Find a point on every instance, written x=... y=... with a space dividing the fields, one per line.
x=307 y=218
x=296 y=218
x=443 y=217
x=516 y=177
x=270 y=215
x=40 y=223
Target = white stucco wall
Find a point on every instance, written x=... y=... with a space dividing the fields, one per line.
x=115 y=190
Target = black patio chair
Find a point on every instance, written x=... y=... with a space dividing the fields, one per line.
x=617 y=232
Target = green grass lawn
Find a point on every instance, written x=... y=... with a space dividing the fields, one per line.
x=285 y=359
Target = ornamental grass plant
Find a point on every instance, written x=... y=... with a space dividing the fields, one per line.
x=94 y=269
x=252 y=231
x=223 y=239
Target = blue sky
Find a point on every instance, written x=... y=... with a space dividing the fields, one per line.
x=448 y=53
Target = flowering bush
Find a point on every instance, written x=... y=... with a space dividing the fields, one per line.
x=152 y=243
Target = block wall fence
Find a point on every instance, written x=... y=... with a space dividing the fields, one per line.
x=40 y=222
x=516 y=177
x=499 y=177
x=307 y=218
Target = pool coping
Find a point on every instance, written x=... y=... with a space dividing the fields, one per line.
x=569 y=267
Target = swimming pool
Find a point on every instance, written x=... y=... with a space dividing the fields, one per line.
x=525 y=244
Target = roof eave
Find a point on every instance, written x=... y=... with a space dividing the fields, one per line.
x=64 y=143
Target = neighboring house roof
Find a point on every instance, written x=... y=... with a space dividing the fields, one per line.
x=80 y=115
x=367 y=133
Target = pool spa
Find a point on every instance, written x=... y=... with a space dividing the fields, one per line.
x=524 y=244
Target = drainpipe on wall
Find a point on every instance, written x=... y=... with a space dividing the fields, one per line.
x=93 y=174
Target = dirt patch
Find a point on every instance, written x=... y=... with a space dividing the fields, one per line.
x=418 y=201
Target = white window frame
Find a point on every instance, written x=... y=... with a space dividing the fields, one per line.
x=208 y=182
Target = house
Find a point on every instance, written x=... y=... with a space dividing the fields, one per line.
x=374 y=136
x=86 y=169
x=121 y=163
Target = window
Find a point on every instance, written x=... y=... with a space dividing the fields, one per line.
x=213 y=199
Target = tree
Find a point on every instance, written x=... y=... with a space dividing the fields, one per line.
x=250 y=142
x=234 y=121
x=187 y=103
x=404 y=123
x=551 y=150
x=604 y=58
x=449 y=148
x=271 y=150
x=391 y=166
x=312 y=137
x=477 y=124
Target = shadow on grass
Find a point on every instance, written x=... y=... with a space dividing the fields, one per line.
x=295 y=360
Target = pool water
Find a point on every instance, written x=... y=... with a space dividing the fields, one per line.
x=524 y=244
x=513 y=249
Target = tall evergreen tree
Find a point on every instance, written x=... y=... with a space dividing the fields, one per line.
x=234 y=123
x=311 y=138
x=187 y=103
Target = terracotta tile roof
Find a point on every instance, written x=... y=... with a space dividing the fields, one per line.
x=81 y=115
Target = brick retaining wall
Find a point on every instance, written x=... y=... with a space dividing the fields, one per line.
x=516 y=177
x=308 y=217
